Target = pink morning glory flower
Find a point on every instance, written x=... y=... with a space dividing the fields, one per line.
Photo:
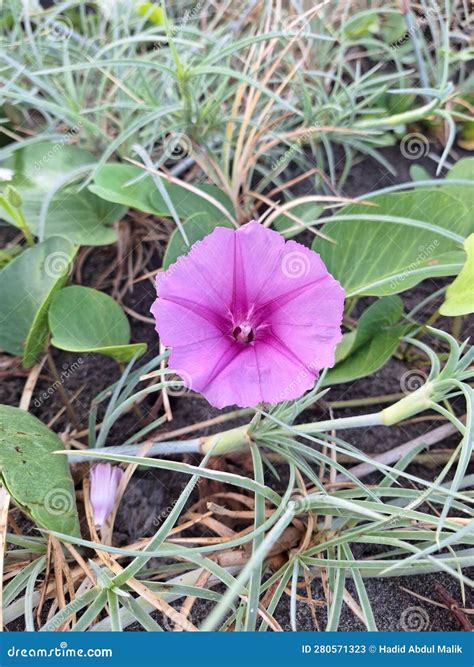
x=105 y=479
x=248 y=317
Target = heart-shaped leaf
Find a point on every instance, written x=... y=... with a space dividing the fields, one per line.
x=27 y=285
x=372 y=256
x=370 y=346
x=118 y=183
x=37 y=479
x=83 y=319
x=80 y=216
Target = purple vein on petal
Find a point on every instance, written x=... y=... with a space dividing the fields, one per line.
x=202 y=311
x=226 y=359
x=239 y=291
x=285 y=298
x=258 y=373
x=286 y=352
x=218 y=336
x=271 y=276
x=207 y=284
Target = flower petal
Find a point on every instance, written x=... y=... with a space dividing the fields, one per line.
x=200 y=363
x=310 y=323
x=262 y=372
x=202 y=277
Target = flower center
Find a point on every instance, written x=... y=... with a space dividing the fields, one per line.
x=243 y=333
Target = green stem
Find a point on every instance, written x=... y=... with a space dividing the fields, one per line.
x=400 y=118
x=228 y=441
x=371 y=400
x=408 y=406
x=240 y=437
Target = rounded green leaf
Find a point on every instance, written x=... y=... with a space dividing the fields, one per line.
x=81 y=217
x=27 y=285
x=83 y=319
x=37 y=479
x=370 y=346
x=132 y=187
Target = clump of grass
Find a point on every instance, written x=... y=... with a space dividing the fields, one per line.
x=311 y=527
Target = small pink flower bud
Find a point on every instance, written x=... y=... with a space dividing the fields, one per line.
x=105 y=479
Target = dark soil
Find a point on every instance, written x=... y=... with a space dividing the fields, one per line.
x=150 y=494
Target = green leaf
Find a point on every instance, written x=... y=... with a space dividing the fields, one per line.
x=371 y=345
x=113 y=183
x=418 y=173
x=9 y=253
x=460 y=294
x=393 y=28
x=464 y=169
x=361 y=25
x=372 y=256
x=196 y=227
x=81 y=217
x=27 y=285
x=83 y=319
x=36 y=478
